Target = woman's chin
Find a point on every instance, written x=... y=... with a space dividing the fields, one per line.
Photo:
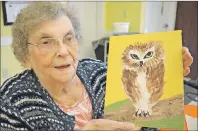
x=64 y=75
x=63 y=78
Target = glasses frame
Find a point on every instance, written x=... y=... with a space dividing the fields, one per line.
x=57 y=41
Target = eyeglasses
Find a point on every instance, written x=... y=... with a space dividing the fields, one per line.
x=51 y=44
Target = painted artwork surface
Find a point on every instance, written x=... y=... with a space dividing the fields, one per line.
x=145 y=80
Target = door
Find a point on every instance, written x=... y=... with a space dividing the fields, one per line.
x=186 y=20
x=159 y=16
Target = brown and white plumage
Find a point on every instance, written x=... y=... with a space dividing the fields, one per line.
x=143 y=75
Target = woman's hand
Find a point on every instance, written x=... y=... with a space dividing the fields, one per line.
x=104 y=124
x=187 y=60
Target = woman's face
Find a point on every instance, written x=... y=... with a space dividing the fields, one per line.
x=55 y=56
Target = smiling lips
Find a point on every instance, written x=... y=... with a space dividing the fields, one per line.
x=63 y=66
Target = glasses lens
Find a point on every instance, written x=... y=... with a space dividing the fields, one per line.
x=69 y=40
x=47 y=44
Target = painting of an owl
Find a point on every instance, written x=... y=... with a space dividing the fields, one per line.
x=143 y=75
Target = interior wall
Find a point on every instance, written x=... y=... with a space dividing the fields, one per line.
x=123 y=12
x=93 y=18
x=9 y=64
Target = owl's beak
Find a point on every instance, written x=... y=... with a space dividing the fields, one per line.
x=141 y=63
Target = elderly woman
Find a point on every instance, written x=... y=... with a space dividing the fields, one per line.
x=55 y=91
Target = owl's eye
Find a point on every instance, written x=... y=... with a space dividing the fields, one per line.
x=149 y=54
x=134 y=56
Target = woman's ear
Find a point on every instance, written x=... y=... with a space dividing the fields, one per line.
x=27 y=66
x=27 y=63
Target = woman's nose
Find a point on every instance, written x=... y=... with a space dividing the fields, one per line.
x=62 y=49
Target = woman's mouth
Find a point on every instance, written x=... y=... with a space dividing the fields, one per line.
x=63 y=66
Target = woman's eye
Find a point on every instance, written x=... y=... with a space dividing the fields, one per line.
x=45 y=42
x=69 y=38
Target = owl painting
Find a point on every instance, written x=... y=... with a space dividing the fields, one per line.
x=143 y=75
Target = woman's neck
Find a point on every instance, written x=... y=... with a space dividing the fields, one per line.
x=57 y=89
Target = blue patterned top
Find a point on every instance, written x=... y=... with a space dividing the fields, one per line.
x=26 y=105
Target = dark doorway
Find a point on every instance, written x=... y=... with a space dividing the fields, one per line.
x=186 y=20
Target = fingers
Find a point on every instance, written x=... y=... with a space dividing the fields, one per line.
x=136 y=128
x=127 y=126
x=187 y=58
x=104 y=124
x=185 y=49
x=186 y=71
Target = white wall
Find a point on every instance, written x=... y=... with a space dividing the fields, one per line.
x=100 y=13
x=88 y=20
x=157 y=14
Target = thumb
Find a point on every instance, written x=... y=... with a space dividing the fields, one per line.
x=128 y=126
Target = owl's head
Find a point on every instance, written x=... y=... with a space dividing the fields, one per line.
x=142 y=55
